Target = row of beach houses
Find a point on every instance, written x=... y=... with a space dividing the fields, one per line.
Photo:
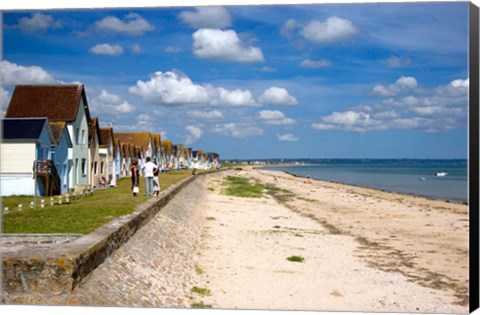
x=51 y=145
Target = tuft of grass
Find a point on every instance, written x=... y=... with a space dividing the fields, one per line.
x=201 y=305
x=298 y=235
x=211 y=218
x=296 y=258
x=242 y=187
x=199 y=270
x=201 y=291
x=276 y=227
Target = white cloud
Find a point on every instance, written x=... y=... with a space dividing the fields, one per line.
x=194 y=133
x=237 y=130
x=173 y=49
x=4 y=100
x=174 y=88
x=206 y=17
x=402 y=85
x=132 y=24
x=274 y=117
x=107 y=103
x=268 y=69
x=397 y=62
x=12 y=74
x=332 y=30
x=277 y=96
x=137 y=49
x=287 y=137
x=289 y=27
x=107 y=49
x=207 y=115
x=349 y=121
x=38 y=22
x=322 y=63
x=224 y=46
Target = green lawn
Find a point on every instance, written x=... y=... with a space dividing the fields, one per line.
x=80 y=216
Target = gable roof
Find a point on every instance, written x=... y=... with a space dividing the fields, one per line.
x=26 y=129
x=93 y=129
x=137 y=139
x=106 y=136
x=56 y=102
x=58 y=128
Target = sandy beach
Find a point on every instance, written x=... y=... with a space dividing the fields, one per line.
x=363 y=249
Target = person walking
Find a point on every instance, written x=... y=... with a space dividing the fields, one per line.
x=135 y=176
x=148 y=170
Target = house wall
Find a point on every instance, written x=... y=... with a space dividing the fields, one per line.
x=61 y=160
x=94 y=154
x=79 y=151
x=17 y=158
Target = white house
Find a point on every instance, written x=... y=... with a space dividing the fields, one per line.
x=25 y=141
x=59 y=103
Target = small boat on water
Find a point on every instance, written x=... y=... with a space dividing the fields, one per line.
x=441 y=174
x=423 y=178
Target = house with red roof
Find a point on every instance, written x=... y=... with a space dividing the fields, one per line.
x=59 y=103
x=107 y=154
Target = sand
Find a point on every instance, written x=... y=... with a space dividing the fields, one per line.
x=364 y=250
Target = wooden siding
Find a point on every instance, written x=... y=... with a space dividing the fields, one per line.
x=17 y=157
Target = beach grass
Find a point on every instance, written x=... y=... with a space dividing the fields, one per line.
x=201 y=291
x=81 y=215
x=242 y=187
x=295 y=258
x=201 y=305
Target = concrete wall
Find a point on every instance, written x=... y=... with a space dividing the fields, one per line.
x=59 y=269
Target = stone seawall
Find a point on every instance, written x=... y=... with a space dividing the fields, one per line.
x=58 y=269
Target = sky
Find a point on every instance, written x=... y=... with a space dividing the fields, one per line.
x=354 y=80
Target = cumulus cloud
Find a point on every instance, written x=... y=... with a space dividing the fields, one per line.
x=332 y=30
x=206 y=115
x=275 y=117
x=402 y=85
x=108 y=103
x=287 y=137
x=4 y=100
x=194 y=133
x=12 y=74
x=322 y=63
x=132 y=24
x=173 y=88
x=431 y=110
x=107 y=49
x=277 y=96
x=237 y=130
x=38 y=22
x=398 y=62
x=224 y=46
x=349 y=121
x=206 y=17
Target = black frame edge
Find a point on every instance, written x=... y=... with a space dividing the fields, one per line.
x=473 y=156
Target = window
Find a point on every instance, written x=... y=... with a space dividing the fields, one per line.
x=95 y=169
x=77 y=136
x=83 y=136
x=101 y=167
x=84 y=167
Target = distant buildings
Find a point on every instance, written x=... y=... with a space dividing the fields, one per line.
x=50 y=125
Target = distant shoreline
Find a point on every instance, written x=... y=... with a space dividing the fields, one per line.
x=455 y=201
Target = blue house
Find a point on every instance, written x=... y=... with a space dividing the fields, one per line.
x=26 y=140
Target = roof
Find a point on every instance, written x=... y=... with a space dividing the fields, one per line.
x=139 y=139
x=106 y=136
x=56 y=102
x=92 y=129
x=57 y=130
x=23 y=128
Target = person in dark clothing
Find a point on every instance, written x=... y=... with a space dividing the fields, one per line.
x=135 y=178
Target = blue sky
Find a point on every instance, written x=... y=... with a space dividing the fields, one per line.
x=371 y=80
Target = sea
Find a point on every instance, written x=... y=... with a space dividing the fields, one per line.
x=408 y=176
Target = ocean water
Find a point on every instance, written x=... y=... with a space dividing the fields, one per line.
x=415 y=177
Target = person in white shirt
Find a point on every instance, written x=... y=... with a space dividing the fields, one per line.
x=148 y=169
